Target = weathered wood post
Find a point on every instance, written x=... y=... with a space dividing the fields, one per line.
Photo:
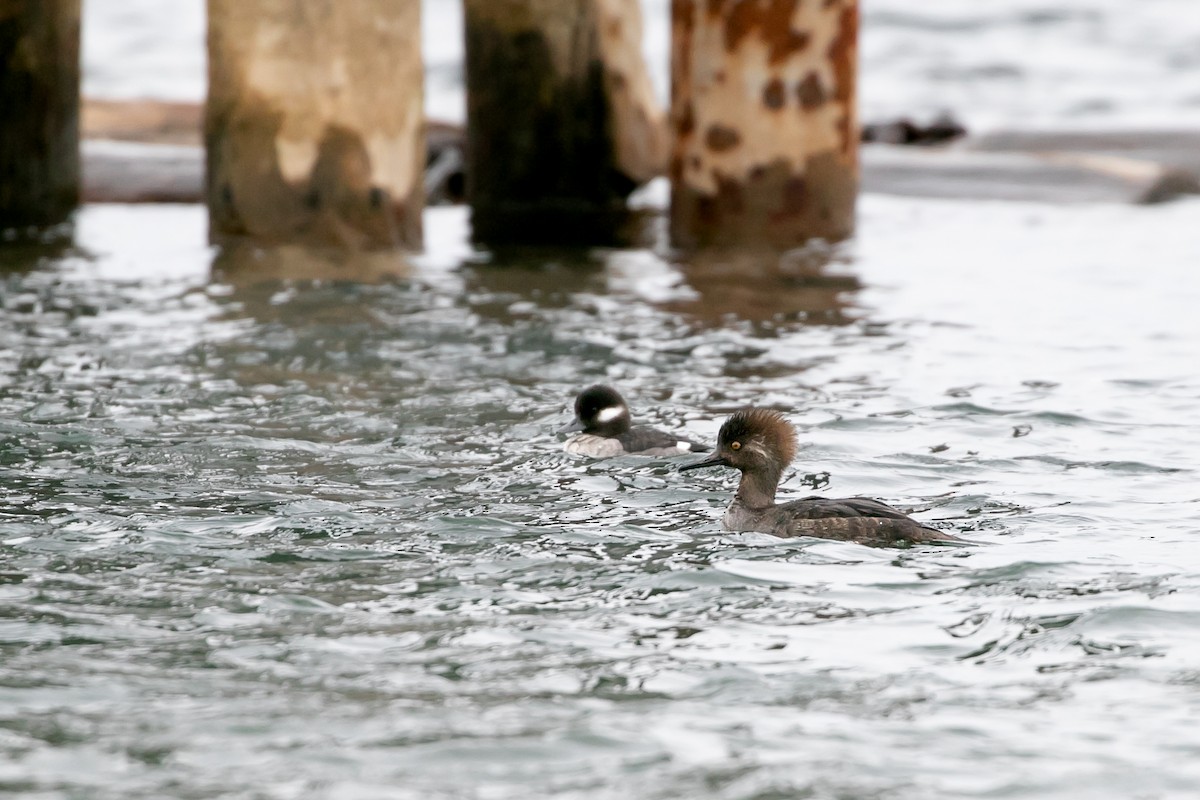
x=562 y=122
x=763 y=113
x=314 y=122
x=39 y=120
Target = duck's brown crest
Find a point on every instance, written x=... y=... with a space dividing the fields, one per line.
x=765 y=424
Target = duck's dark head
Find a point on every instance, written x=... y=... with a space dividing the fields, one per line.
x=600 y=410
x=754 y=440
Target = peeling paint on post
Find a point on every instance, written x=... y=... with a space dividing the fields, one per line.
x=562 y=123
x=39 y=124
x=314 y=122
x=763 y=113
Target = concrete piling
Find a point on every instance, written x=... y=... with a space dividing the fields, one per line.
x=561 y=116
x=39 y=124
x=765 y=149
x=314 y=122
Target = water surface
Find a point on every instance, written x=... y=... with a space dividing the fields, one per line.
x=318 y=539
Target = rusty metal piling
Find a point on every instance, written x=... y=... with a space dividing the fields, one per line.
x=39 y=124
x=562 y=123
x=314 y=122
x=763 y=114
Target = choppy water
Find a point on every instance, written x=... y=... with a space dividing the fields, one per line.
x=319 y=540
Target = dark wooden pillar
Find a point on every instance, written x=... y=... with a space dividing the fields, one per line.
x=561 y=117
x=39 y=111
x=763 y=97
x=314 y=122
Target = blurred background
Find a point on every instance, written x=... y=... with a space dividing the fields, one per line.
x=1017 y=63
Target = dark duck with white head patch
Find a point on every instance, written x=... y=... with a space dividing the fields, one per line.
x=761 y=443
x=607 y=429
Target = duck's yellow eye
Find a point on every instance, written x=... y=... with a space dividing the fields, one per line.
x=735 y=446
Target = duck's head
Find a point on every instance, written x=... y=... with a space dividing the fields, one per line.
x=757 y=440
x=600 y=410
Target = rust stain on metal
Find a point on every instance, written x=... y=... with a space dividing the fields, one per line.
x=776 y=206
x=687 y=120
x=675 y=168
x=730 y=196
x=843 y=53
x=794 y=196
x=835 y=188
x=810 y=92
x=822 y=196
x=721 y=138
x=681 y=15
x=774 y=95
x=706 y=210
x=771 y=19
x=764 y=120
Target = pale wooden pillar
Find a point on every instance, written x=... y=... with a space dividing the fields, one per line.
x=39 y=120
x=562 y=123
x=314 y=122
x=763 y=97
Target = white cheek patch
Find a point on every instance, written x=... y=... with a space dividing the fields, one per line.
x=758 y=450
x=609 y=414
x=683 y=447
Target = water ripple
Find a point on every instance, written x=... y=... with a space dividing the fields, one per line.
x=324 y=534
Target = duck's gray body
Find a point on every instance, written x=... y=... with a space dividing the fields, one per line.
x=638 y=441
x=851 y=519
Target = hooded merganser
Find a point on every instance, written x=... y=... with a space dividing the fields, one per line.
x=603 y=417
x=761 y=443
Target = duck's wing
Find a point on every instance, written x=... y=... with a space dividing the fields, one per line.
x=857 y=519
x=819 y=507
x=653 y=442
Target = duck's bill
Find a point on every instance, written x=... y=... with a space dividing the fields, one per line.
x=712 y=461
x=575 y=426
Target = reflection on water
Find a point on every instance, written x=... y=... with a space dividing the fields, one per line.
x=245 y=264
x=24 y=249
x=809 y=284
x=508 y=284
x=321 y=531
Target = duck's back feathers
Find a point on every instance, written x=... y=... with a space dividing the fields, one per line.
x=820 y=507
x=857 y=519
x=640 y=441
x=652 y=442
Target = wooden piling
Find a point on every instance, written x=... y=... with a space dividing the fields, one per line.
x=313 y=123
x=39 y=124
x=561 y=116
x=765 y=149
